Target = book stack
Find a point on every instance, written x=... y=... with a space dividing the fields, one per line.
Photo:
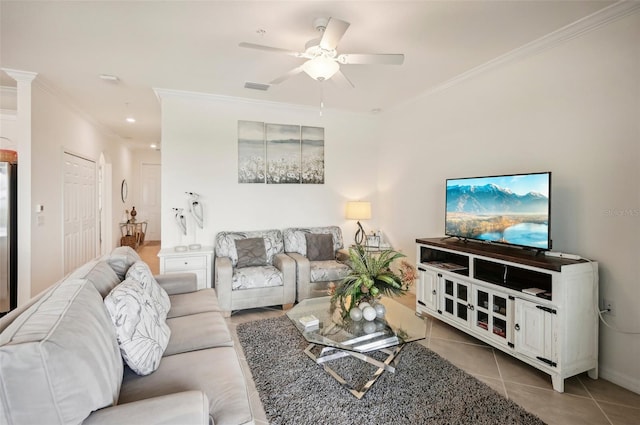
x=309 y=321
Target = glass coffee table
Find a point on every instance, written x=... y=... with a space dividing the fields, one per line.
x=339 y=337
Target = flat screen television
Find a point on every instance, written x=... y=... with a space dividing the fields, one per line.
x=510 y=209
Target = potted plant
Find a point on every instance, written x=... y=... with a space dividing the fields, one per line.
x=371 y=276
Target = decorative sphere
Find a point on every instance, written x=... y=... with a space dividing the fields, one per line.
x=363 y=305
x=356 y=314
x=369 y=313
x=380 y=310
x=369 y=327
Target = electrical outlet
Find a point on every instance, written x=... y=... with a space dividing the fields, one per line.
x=608 y=305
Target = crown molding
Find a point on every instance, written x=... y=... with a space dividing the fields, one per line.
x=573 y=30
x=181 y=94
x=21 y=76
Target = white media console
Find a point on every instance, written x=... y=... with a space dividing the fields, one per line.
x=539 y=309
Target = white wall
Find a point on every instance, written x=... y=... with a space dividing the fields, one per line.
x=200 y=154
x=56 y=128
x=8 y=121
x=573 y=110
x=8 y=130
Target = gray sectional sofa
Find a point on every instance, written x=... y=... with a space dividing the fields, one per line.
x=60 y=361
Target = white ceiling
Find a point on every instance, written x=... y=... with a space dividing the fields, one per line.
x=193 y=46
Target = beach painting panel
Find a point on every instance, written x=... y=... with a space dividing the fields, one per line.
x=312 y=155
x=283 y=153
x=251 y=152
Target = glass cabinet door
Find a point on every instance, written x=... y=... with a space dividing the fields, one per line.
x=457 y=299
x=499 y=306
x=492 y=314
x=482 y=309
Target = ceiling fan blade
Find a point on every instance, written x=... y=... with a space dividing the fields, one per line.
x=288 y=75
x=370 y=59
x=271 y=49
x=333 y=33
x=342 y=79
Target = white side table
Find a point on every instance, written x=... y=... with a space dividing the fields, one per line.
x=198 y=261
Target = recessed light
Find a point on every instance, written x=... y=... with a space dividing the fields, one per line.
x=153 y=146
x=108 y=77
x=131 y=119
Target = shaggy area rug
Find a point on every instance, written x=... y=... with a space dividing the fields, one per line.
x=425 y=389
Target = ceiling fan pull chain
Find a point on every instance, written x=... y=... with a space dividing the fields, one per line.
x=321 y=97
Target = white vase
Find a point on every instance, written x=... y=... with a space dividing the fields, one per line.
x=369 y=327
x=363 y=305
x=369 y=313
x=355 y=314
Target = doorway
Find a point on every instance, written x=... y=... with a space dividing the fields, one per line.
x=150 y=198
x=105 y=236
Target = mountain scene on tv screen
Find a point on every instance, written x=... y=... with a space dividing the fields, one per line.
x=497 y=214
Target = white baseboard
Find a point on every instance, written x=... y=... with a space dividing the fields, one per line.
x=617 y=378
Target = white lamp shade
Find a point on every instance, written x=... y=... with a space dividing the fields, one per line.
x=320 y=68
x=358 y=210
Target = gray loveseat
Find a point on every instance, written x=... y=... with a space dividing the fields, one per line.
x=60 y=362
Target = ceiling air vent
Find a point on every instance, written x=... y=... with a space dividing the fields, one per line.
x=256 y=86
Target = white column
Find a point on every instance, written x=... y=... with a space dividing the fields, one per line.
x=23 y=117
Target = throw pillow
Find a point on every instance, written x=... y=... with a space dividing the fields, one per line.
x=142 y=334
x=141 y=273
x=121 y=259
x=319 y=246
x=251 y=252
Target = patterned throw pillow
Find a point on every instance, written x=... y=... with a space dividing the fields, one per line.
x=319 y=246
x=142 y=334
x=251 y=252
x=141 y=273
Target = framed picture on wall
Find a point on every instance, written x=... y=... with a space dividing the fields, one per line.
x=251 y=152
x=280 y=153
x=312 y=155
x=283 y=153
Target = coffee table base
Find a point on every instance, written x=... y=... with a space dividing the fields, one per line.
x=329 y=353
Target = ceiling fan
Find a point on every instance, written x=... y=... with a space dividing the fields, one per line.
x=323 y=61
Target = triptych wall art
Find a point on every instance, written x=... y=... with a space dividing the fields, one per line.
x=280 y=153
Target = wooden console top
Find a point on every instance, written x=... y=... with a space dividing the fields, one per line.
x=500 y=252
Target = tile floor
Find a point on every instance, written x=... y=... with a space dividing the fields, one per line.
x=584 y=402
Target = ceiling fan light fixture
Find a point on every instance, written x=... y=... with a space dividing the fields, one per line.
x=320 y=68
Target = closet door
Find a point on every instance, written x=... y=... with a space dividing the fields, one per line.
x=80 y=211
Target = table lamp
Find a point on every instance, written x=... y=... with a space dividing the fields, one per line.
x=359 y=210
